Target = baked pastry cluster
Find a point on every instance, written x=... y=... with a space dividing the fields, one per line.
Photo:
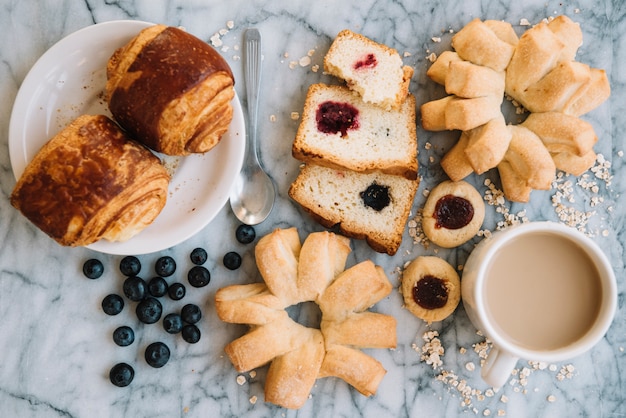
x=431 y=288
x=90 y=181
x=171 y=91
x=358 y=143
x=311 y=271
x=538 y=70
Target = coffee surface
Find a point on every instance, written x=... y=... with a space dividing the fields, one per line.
x=543 y=291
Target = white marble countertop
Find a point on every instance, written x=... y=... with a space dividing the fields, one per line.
x=55 y=342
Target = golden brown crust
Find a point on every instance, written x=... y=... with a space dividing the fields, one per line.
x=431 y=267
x=171 y=91
x=91 y=181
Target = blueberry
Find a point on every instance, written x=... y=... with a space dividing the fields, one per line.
x=245 y=234
x=198 y=256
x=176 y=291
x=121 y=374
x=135 y=288
x=112 y=304
x=157 y=286
x=199 y=276
x=130 y=266
x=157 y=354
x=191 y=313
x=123 y=336
x=191 y=333
x=165 y=266
x=93 y=268
x=232 y=260
x=172 y=323
x=149 y=310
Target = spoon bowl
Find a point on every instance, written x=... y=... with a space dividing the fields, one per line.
x=253 y=193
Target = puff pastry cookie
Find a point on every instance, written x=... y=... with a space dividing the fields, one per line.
x=298 y=355
x=538 y=70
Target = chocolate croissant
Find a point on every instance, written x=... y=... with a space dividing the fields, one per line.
x=90 y=181
x=171 y=91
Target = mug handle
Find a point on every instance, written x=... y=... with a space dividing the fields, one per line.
x=498 y=367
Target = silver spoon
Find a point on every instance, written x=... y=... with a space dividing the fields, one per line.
x=253 y=193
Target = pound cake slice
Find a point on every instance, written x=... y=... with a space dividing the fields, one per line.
x=339 y=130
x=371 y=206
x=373 y=70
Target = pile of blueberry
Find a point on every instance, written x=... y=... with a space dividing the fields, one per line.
x=149 y=308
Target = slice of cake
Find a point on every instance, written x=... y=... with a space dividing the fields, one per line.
x=373 y=206
x=373 y=70
x=339 y=130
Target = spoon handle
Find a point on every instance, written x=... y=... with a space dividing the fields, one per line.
x=252 y=75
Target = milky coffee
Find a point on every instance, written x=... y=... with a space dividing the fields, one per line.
x=542 y=291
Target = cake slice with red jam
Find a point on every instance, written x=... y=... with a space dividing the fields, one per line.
x=375 y=71
x=339 y=130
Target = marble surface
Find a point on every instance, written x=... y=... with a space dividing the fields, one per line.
x=55 y=341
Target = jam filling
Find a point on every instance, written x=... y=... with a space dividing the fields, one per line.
x=368 y=62
x=453 y=212
x=376 y=196
x=333 y=117
x=430 y=292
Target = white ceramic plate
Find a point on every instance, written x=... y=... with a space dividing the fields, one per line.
x=68 y=81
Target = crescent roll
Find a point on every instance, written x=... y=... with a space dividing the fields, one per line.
x=91 y=181
x=171 y=91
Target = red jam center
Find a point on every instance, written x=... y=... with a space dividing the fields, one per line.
x=430 y=292
x=453 y=212
x=368 y=62
x=333 y=117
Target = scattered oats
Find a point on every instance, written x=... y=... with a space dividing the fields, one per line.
x=460 y=267
x=462 y=350
x=551 y=398
x=315 y=68
x=223 y=32
x=253 y=399
x=436 y=39
x=470 y=366
x=489 y=393
x=272 y=118
x=241 y=380
x=524 y=22
x=225 y=48
x=216 y=41
x=286 y=55
x=432 y=350
x=416 y=231
x=426 y=192
x=293 y=64
x=428 y=145
x=504 y=399
x=621 y=349
x=576 y=11
x=253 y=374
x=432 y=57
x=406 y=54
x=230 y=24
x=501 y=412
x=295 y=115
x=620 y=153
x=486 y=412
x=304 y=61
x=310 y=52
x=431 y=159
x=552 y=368
x=236 y=57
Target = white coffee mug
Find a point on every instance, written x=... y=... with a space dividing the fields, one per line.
x=539 y=291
